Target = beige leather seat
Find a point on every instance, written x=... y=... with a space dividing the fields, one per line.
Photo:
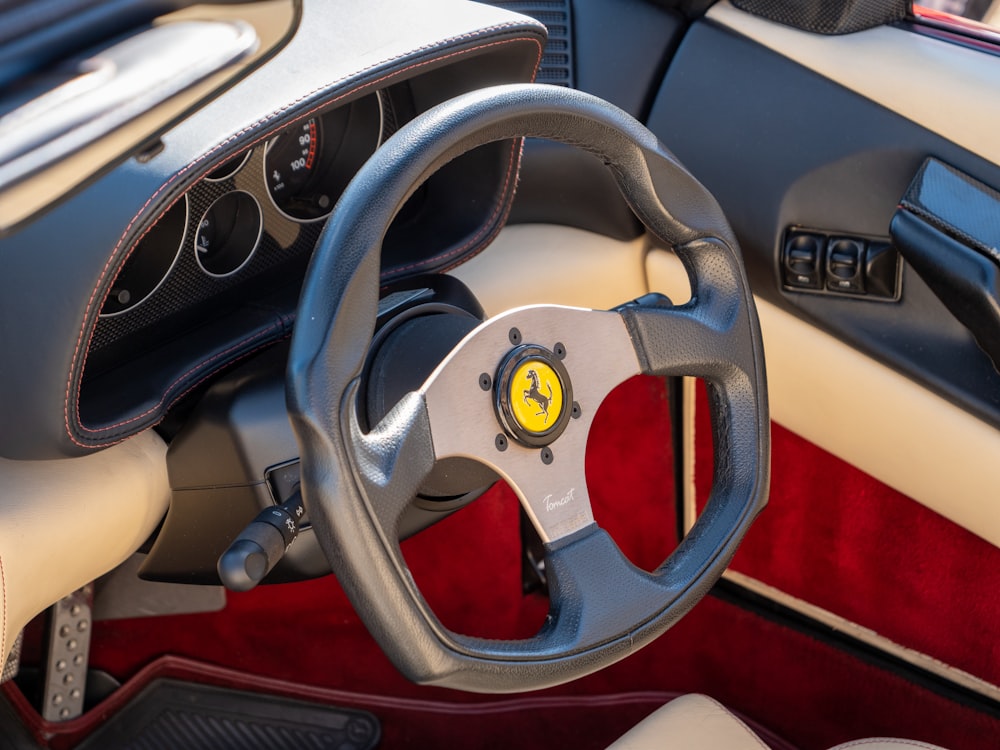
x=696 y=722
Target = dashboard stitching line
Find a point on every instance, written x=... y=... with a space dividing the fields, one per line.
x=208 y=374
x=502 y=204
x=259 y=123
x=488 y=239
x=263 y=333
x=250 y=145
x=496 y=221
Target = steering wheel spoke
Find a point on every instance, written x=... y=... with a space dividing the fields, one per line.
x=594 y=590
x=394 y=458
x=679 y=341
x=550 y=367
x=706 y=337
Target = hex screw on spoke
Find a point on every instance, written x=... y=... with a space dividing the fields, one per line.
x=501 y=443
x=514 y=336
x=546 y=456
x=575 y=413
x=485 y=382
x=559 y=350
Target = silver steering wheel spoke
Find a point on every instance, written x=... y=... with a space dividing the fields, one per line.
x=520 y=393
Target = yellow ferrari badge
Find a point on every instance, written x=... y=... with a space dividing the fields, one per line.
x=536 y=396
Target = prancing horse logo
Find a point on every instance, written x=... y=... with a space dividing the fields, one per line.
x=535 y=394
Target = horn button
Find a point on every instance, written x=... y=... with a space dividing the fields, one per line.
x=533 y=395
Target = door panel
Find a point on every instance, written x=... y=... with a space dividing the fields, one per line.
x=789 y=128
x=781 y=146
x=933 y=83
x=796 y=130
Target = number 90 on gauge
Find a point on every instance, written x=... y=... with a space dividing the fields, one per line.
x=307 y=166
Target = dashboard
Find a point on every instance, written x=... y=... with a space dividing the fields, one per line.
x=164 y=246
x=239 y=237
x=184 y=254
x=252 y=216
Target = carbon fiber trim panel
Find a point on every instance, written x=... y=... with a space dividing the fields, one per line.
x=828 y=16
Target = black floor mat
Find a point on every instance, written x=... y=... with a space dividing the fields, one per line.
x=13 y=735
x=170 y=714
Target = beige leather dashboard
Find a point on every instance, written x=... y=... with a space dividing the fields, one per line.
x=64 y=523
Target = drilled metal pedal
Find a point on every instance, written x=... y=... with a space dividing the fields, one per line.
x=69 y=650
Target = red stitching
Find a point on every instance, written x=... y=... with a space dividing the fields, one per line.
x=3 y=625
x=506 y=203
x=251 y=145
x=370 y=84
x=205 y=376
x=502 y=204
x=259 y=334
x=487 y=241
x=208 y=374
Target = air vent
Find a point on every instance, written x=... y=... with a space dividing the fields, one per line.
x=557 y=61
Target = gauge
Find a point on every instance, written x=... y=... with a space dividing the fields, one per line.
x=290 y=163
x=307 y=167
x=228 y=168
x=228 y=234
x=150 y=262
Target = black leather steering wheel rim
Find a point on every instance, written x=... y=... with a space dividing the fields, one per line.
x=355 y=485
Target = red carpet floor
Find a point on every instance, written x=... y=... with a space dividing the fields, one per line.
x=842 y=540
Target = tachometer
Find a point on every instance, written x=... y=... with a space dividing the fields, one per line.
x=307 y=167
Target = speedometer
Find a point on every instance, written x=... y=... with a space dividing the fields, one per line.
x=290 y=164
x=307 y=167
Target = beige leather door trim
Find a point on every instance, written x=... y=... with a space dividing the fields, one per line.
x=950 y=90
x=865 y=635
x=892 y=428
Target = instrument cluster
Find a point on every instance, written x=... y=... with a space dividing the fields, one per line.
x=246 y=217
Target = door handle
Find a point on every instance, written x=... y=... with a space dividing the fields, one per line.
x=947 y=227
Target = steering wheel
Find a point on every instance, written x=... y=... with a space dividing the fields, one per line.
x=519 y=394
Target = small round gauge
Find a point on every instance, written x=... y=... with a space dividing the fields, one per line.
x=228 y=234
x=307 y=167
x=150 y=262
x=228 y=168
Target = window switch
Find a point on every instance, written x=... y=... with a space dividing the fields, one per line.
x=845 y=265
x=802 y=262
